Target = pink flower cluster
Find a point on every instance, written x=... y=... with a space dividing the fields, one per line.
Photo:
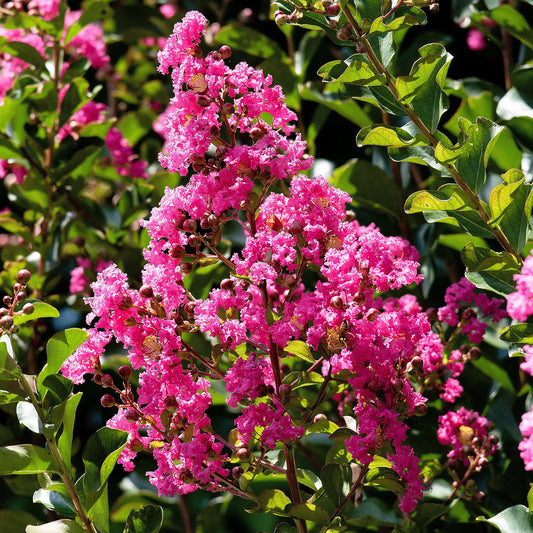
x=237 y=159
x=459 y=311
x=467 y=433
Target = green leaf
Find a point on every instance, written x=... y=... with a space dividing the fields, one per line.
x=69 y=417
x=332 y=476
x=495 y=372
x=146 y=519
x=301 y=350
x=372 y=512
x=404 y=17
x=386 y=478
x=355 y=70
x=512 y=520
x=451 y=205
x=490 y=270
x=7 y=397
x=272 y=501
x=347 y=108
x=26 y=459
x=510 y=205
x=382 y=135
x=40 y=310
x=18 y=520
x=55 y=501
x=25 y=52
x=59 y=348
x=75 y=97
x=9 y=149
x=57 y=526
x=509 y=19
x=27 y=416
x=248 y=40
x=99 y=457
x=322 y=425
x=422 y=89
x=58 y=389
x=369 y=186
x=8 y=367
x=309 y=511
x=425 y=513
x=472 y=161
x=521 y=333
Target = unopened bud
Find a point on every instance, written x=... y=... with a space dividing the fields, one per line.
x=345 y=32
x=296 y=227
x=146 y=291
x=243 y=453
x=371 y=314
x=106 y=380
x=131 y=415
x=124 y=372
x=227 y=284
x=212 y=220
x=420 y=409
x=281 y=18
x=225 y=51
x=177 y=252
x=189 y=225
x=136 y=445
x=285 y=390
x=194 y=241
x=28 y=309
x=6 y=322
x=336 y=302
x=23 y=276
x=228 y=108
x=333 y=10
x=237 y=472
x=474 y=353
x=107 y=400
x=203 y=101
x=434 y=8
x=186 y=268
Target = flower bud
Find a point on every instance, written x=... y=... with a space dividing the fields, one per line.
x=225 y=51
x=434 y=8
x=177 y=252
x=28 y=309
x=107 y=400
x=227 y=284
x=285 y=390
x=124 y=372
x=79 y=241
x=333 y=10
x=420 y=409
x=213 y=220
x=345 y=32
x=474 y=353
x=296 y=227
x=189 y=225
x=243 y=454
x=7 y=300
x=6 y=322
x=281 y=18
x=146 y=291
x=237 y=472
x=23 y=276
x=186 y=268
x=106 y=380
x=336 y=302
x=131 y=415
x=194 y=241
x=136 y=445
x=228 y=108
x=203 y=101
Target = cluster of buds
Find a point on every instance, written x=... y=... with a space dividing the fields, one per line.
x=328 y=8
x=11 y=302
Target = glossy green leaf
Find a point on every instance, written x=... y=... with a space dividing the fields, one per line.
x=472 y=161
x=146 y=519
x=322 y=425
x=301 y=350
x=26 y=459
x=100 y=455
x=423 y=155
x=8 y=367
x=59 y=348
x=512 y=520
x=27 y=416
x=58 y=389
x=57 y=526
x=7 y=397
x=74 y=98
x=510 y=207
x=272 y=501
x=369 y=186
x=511 y=20
x=490 y=270
x=377 y=95
x=404 y=18
x=422 y=89
x=386 y=478
x=425 y=513
x=355 y=70
x=9 y=149
x=451 y=205
x=55 y=501
x=382 y=135
x=40 y=310
x=520 y=333
x=309 y=511
x=65 y=440
x=248 y=40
